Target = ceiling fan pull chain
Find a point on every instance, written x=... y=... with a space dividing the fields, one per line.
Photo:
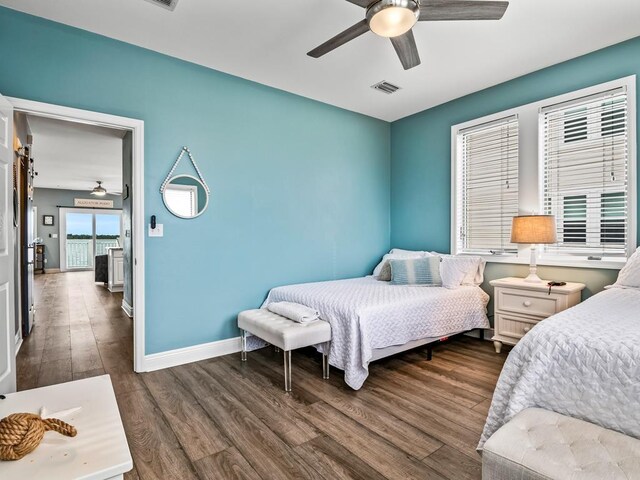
x=175 y=165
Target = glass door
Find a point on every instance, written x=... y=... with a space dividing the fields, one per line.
x=78 y=239
x=85 y=233
x=107 y=232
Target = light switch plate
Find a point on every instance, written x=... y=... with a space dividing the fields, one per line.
x=156 y=232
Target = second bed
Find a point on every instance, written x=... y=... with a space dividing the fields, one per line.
x=371 y=319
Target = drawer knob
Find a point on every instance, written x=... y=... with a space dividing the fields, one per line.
x=526 y=329
x=526 y=303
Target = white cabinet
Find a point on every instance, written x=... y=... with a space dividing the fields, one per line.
x=116 y=269
x=519 y=306
x=99 y=451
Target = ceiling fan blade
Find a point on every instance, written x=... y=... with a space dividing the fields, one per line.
x=340 y=39
x=362 y=3
x=441 y=10
x=406 y=49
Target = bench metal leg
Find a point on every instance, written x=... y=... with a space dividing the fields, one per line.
x=287 y=371
x=243 y=354
x=325 y=366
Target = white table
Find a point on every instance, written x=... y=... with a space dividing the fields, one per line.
x=98 y=452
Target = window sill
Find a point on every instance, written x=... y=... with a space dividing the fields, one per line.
x=610 y=264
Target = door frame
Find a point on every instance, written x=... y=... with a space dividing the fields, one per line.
x=138 y=220
x=8 y=287
x=62 y=226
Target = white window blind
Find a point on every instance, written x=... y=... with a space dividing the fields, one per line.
x=487 y=186
x=586 y=169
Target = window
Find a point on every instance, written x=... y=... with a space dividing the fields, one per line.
x=572 y=156
x=488 y=186
x=586 y=174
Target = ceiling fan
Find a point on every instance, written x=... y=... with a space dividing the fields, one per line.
x=394 y=19
x=100 y=191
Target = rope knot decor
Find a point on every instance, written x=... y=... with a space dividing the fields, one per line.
x=21 y=433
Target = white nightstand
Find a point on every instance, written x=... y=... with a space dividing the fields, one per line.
x=519 y=306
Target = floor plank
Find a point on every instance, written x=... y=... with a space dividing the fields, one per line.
x=154 y=447
x=228 y=464
x=454 y=465
x=334 y=461
x=357 y=405
x=195 y=431
x=266 y=404
x=263 y=449
x=366 y=445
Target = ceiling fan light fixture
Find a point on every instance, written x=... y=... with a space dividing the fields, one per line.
x=392 y=18
x=99 y=190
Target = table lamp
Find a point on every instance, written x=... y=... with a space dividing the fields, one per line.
x=533 y=229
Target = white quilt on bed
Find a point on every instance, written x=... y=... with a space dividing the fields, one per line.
x=366 y=314
x=583 y=362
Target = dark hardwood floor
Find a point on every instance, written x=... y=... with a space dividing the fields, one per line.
x=221 y=419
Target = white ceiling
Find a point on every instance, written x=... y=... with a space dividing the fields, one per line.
x=73 y=156
x=267 y=40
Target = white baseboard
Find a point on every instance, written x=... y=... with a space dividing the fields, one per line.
x=18 y=341
x=52 y=270
x=180 y=356
x=128 y=309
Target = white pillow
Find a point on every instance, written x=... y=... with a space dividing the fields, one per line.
x=472 y=266
x=409 y=252
x=397 y=254
x=629 y=276
x=453 y=271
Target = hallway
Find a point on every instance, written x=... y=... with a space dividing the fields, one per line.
x=80 y=331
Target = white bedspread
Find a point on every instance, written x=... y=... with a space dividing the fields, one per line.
x=583 y=362
x=366 y=314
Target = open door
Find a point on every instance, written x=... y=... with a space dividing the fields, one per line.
x=7 y=280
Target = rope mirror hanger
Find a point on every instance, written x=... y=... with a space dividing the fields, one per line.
x=185 y=196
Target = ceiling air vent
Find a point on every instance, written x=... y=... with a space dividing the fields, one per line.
x=168 y=4
x=385 y=87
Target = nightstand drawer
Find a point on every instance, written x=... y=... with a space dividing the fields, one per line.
x=527 y=302
x=513 y=326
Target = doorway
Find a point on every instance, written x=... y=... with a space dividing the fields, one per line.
x=102 y=231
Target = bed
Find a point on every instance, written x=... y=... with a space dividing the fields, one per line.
x=372 y=319
x=583 y=362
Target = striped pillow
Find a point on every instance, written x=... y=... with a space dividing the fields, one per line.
x=416 y=271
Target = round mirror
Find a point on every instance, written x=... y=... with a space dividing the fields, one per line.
x=185 y=196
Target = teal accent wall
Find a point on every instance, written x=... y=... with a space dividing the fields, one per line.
x=300 y=189
x=421 y=155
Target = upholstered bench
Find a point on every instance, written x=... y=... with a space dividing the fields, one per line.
x=541 y=445
x=284 y=334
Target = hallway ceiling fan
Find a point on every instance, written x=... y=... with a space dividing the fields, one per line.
x=99 y=190
x=394 y=19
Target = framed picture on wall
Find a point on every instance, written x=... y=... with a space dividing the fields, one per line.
x=47 y=220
